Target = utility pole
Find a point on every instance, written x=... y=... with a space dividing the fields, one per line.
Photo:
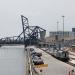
x=63 y=29
x=57 y=27
x=58 y=38
x=63 y=26
x=57 y=34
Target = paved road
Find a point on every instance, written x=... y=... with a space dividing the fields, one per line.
x=55 y=67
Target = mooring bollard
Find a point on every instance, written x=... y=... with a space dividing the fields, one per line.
x=41 y=71
x=69 y=73
x=72 y=72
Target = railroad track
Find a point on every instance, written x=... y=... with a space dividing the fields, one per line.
x=63 y=61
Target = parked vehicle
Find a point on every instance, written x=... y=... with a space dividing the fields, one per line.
x=37 y=60
x=31 y=49
x=61 y=54
x=35 y=56
x=36 y=53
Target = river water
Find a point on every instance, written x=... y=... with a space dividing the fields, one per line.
x=12 y=60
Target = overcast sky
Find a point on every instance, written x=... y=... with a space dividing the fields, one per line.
x=44 y=13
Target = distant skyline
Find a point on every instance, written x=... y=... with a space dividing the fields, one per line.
x=44 y=13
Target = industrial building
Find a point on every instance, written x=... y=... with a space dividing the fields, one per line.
x=63 y=33
x=60 y=34
x=68 y=35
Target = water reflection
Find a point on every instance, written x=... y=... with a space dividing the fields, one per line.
x=12 y=60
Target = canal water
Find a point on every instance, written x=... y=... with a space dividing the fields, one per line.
x=12 y=60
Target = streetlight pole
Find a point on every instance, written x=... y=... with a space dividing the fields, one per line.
x=57 y=34
x=63 y=26
x=57 y=27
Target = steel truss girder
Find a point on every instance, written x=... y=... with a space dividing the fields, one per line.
x=29 y=34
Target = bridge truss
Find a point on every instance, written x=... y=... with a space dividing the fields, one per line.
x=29 y=36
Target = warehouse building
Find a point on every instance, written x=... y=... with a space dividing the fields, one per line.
x=60 y=34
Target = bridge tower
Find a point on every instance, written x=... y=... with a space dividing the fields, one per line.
x=25 y=25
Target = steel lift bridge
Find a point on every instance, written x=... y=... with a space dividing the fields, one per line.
x=29 y=36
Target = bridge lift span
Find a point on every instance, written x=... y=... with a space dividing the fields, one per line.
x=29 y=36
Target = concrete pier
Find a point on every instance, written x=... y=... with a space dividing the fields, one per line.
x=55 y=66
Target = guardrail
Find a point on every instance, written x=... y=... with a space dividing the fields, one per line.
x=30 y=64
